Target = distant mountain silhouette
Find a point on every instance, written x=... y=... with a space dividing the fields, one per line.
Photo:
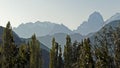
x=95 y=22
x=40 y=29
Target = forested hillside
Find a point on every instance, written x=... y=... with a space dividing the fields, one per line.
x=104 y=53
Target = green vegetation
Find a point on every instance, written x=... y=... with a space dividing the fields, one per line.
x=75 y=55
x=25 y=56
x=55 y=55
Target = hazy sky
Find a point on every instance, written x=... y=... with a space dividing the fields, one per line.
x=69 y=12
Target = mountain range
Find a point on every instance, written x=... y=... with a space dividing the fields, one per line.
x=40 y=29
x=94 y=28
x=45 y=31
x=95 y=23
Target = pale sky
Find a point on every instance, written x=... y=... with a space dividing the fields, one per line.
x=68 y=12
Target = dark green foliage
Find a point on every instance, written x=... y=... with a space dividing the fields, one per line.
x=35 y=53
x=55 y=55
x=68 y=53
x=117 y=47
x=24 y=56
x=74 y=52
x=60 y=60
x=76 y=55
x=23 y=59
x=86 y=59
x=104 y=50
x=9 y=48
x=52 y=55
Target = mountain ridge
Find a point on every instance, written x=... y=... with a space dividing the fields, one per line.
x=40 y=29
x=94 y=23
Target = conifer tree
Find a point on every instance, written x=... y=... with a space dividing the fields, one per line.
x=102 y=54
x=60 y=60
x=86 y=59
x=68 y=53
x=79 y=55
x=117 y=47
x=52 y=55
x=88 y=54
x=9 y=48
x=23 y=58
x=35 y=53
x=74 y=51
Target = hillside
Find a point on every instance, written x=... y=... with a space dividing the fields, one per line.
x=106 y=34
x=60 y=38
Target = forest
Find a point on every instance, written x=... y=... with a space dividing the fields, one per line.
x=75 y=55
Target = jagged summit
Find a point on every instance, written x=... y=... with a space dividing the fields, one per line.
x=94 y=23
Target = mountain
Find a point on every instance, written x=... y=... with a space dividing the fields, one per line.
x=60 y=38
x=113 y=18
x=40 y=29
x=94 y=23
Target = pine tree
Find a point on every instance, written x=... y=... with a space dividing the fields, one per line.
x=86 y=60
x=68 y=53
x=1 y=56
x=52 y=55
x=35 y=53
x=88 y=54
x=23 y=58
x=117 y=47
x=74 y=51
x=60 y=60
x=9 y=48
x=102 y=57
x=79 y=52
x=102 y=54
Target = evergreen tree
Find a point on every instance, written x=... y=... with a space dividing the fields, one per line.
x=23 y=58
x=35 y=53
x=117 y=47
x=60 y=60
x=79 y=52
x=9 y=48
x=103 y=58
x=88 y=54
x=68 y=53
x=74 y=52
x=86 y=60
x=52 y=55
x=1 y=56
x=56 y=54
